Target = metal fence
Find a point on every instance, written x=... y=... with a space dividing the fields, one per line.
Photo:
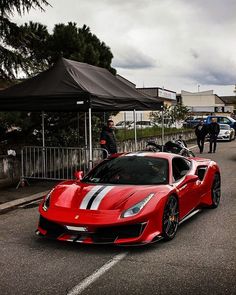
x=56 y=163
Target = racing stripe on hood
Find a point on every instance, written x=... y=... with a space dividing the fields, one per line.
x=94 y=197
x=89 y=195
x=99 y=198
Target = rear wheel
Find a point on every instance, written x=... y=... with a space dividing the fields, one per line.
x=216 y=191
x=170 y=219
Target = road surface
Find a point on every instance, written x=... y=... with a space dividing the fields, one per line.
x=200 y=260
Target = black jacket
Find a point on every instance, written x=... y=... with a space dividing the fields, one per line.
x=213 y=129
x=108 y=140
x=201 y=130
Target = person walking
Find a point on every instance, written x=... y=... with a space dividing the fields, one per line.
x=213 y=130
x=108 y=140
x=201 y=132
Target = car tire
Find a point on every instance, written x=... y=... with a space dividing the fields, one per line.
x=170 y=219
x=215 y=191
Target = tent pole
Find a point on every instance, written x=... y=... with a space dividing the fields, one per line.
x=162 y=127
x=85 y=130
x=90 y=140
x=135 y=131
x=43 y=139
x=78 y=127
x=43 y=129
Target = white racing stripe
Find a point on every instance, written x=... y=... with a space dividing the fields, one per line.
x=88 y=196
x=99 y=197
x=78 y=289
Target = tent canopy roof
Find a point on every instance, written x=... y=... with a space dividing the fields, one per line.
x=73 y=86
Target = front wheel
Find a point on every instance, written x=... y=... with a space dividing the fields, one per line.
x=216 y=191
x=170 y=220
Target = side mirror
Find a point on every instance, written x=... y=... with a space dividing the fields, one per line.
x=79 y=175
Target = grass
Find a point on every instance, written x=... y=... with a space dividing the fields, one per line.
x=124 y=134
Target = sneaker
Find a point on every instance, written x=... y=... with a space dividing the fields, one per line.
x=209 y=152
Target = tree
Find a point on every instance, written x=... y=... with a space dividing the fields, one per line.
x=31 y=49
x=172 y=114
x=11 y=59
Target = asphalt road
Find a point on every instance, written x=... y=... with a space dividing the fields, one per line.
x=200 y=260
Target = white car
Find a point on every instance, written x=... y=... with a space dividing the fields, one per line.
x=123 y=124
x=226 y=133
x=142 y=124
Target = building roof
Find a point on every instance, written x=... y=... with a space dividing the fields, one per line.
x=229 y=99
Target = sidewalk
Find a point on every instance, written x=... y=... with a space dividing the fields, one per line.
x=11 y=197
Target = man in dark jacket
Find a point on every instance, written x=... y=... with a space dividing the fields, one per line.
x=201 y=132
x=107 y=139
x=213 y=130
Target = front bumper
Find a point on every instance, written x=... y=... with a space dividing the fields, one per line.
x=117 y=234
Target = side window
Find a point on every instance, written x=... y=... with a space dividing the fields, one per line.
x=180 y=168
x=223 y=120
x=201 y=171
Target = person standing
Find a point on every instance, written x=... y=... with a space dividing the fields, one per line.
x=213 y=130
x=201 y=132
x=107 y=139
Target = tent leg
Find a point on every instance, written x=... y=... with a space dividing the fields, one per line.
x=90 y=140
x=78 y=127
x=162 y=128
x=135 y=131
x=85 y=130
x=44 y=150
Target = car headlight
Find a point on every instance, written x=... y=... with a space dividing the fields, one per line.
x=137 y=207
x=46 y=202
x=227 y=132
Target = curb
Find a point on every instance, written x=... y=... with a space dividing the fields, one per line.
x=14 y=204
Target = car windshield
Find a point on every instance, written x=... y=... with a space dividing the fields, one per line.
x=128 y=169
x=224 y=127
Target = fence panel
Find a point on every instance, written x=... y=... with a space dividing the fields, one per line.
x=56 y=163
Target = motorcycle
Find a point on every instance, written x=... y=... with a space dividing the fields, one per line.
x=173 y=146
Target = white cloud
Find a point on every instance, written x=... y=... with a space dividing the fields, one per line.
x=175 y=43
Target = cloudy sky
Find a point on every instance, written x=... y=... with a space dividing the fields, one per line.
x=178 y=44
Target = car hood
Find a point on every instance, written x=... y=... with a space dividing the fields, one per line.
x=101 y=197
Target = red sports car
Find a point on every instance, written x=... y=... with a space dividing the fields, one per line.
x=132 y=198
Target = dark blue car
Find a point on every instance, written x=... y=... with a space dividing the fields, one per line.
x=222 y=120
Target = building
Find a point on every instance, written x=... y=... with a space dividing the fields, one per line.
x=230 y=101
x=168 y=97
x=204 y=103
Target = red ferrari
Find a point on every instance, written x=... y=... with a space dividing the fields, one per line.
x=132 y=198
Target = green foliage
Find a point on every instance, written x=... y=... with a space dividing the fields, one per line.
x=123 y=134
x=30 y=49
x=12 y=36
x=171 y=114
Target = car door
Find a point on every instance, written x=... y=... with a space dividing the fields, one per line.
x=187 y=187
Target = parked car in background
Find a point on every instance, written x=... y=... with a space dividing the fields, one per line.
x=226 y=133
x=142 y=124
x=191 y=122
x=223 y=120
x=123 y=124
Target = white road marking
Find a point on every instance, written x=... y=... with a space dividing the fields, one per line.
x=78 y=289
x=194 y=146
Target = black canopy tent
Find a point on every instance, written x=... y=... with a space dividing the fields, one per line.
x=73 y=86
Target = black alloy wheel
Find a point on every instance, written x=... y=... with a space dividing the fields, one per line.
x=216 y=191
x=170 y=219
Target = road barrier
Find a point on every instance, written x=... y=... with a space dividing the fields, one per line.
x=56 y=163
